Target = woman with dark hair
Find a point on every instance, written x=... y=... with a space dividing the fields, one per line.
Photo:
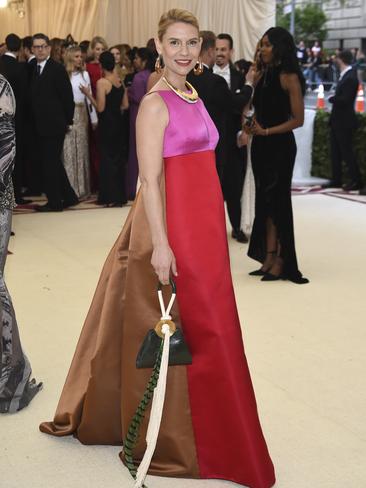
x=16 y=387
x=56 y=49
x=279 y=108
x=144 y=64
x=243 y=66
x=110 y=101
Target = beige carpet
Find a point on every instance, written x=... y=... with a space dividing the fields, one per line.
x=305 y=346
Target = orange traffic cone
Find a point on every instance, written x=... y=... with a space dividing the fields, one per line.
x=320 y=103
x=360 y=100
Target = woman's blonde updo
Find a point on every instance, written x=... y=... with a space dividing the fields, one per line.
x=175 y=15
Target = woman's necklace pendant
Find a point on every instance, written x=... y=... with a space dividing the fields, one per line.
x=190 y=97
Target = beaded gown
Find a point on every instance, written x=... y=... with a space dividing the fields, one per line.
x=210 y=426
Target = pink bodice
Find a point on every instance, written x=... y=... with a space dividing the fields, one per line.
x=190 y=128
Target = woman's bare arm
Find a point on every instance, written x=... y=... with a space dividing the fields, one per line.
x=102 y=86
x=290 y=83
x=151 y=122
x=125 y=103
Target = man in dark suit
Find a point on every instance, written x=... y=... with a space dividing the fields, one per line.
x=17 y=77
x=32 y=159
x=343 y=124
x=235 y=164
x=53 y=106
x=215 y=94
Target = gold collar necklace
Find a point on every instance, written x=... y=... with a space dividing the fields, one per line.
x=190 y=97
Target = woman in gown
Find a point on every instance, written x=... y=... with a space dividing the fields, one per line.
x=110 y=101
x=93 y=67
x=210 y=426
x=75 y=154
x=16 y=388
x=279 y=108
x=144 y=65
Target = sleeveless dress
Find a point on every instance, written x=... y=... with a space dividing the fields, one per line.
x=112 y=149
x=273 y=160
x=95 y=73
x=210 y=426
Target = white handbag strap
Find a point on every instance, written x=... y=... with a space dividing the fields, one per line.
x=165 y=312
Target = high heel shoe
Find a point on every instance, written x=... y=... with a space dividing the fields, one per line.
x=298 y=280
x=260 y=271
x=272 y=277
x=257 y=272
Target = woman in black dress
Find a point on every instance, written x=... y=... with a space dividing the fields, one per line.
x=111 y=100
x=279 y=108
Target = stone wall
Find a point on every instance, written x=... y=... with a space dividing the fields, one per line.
x=346 y=24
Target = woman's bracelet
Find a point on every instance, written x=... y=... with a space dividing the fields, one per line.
x=267 y=131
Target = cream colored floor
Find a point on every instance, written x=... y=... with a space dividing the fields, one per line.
x=305 y=346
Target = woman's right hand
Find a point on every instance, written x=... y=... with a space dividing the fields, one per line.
x=163 y=261
x=85 y=90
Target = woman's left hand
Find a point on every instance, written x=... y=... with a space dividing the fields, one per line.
x=257 y=129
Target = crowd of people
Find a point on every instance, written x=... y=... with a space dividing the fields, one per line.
x=320 y=66
x=65 y=147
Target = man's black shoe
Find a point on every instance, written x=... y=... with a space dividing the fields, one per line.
x=30 y=193
x=352 y=186
x=70 y=203
x=21 y=201
x=47 y=208
x=332 y=184
x=363 y=191
x=239 y=236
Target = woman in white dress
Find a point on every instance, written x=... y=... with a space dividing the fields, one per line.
x=76 y=146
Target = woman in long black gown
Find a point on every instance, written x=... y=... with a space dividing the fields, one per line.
x=279 y=108
x=110 y=101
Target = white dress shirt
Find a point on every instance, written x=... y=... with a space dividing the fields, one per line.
x=82 y=78
x=224 y=72
x=8 y=53
x=344 y=72
x=42 y=64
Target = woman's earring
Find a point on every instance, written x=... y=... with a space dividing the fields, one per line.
x=198 y=69
x=158 y=67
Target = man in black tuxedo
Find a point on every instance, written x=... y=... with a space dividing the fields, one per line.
x=219 y=101
x=343 y=124
x=215 y=94
x=17 y=77
x=32 y=159
x=235 y=164
x=53 y=106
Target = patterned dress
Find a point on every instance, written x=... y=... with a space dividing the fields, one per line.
x=75 y=154
x=16 y=388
